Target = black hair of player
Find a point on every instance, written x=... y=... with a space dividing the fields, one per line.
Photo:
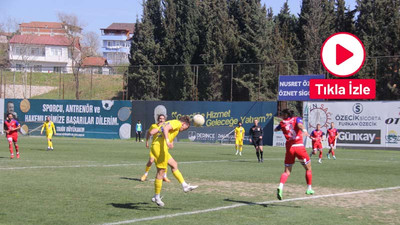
x=185 y=119
x=288 y=112
x=160 y=115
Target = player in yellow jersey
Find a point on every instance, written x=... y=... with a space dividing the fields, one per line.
x=239 y=136
x=164 y=140
x=50 y=130
x=160 y=121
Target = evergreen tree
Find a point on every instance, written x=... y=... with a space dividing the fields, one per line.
x=254 y=41
x=142 y=79
x=286 y=41
x=344 y=17
x=378 y=26
x=310 y=30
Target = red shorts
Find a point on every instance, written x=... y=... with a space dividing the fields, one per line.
x=12 y=137
x=296 y=151
x=331 y=142
x=316 y=145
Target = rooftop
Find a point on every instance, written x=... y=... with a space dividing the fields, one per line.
x=121 y=26
x=43 y=40
x=94 y=61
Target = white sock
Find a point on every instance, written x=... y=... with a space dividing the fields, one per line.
x=157 y=196
x=184 y=184
x=280 y=186
x=165 y=175
x=309 y=187
x=146 y=173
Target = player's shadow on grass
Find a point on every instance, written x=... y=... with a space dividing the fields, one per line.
x=135 y=206
x=263 y=205
x=139 y=206
x=130 y=178
x=39 y=149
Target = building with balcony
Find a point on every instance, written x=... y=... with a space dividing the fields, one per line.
x=116 y=42
x=42 y=53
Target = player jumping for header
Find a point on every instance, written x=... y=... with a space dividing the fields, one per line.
x=160 y=122
x=11 y=126
x=292 y=128
x=317 y=137
x=332 y=134
x=164 y=140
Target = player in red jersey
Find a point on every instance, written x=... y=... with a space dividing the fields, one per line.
x=11 y=126
x=292 y=128
x=332 y=135
x=317 y=137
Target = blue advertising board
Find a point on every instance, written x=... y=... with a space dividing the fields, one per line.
x=296 y=87
x=74 y=118
x=220 y=117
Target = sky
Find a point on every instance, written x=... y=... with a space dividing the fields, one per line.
x=97 y=14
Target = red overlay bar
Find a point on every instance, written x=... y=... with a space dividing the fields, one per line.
x=342 y=89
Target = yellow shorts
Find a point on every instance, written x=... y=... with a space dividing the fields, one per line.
x=161 y=155
x=49 y=136
x=238 y=141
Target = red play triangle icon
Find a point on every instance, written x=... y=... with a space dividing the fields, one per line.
x=342 y=54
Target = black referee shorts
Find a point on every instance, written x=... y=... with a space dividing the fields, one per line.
x=257 y=142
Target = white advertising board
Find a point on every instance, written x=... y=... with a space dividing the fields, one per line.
x=360 y=124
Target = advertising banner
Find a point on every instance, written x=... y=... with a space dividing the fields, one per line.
x=221 y=117
x=296 y=87
x=74 y=118
x=359 y=124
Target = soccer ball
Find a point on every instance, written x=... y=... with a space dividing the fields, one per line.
x=198 y=120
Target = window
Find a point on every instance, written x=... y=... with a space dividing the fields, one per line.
x=37 y=68
x=56 y=51
x=35 y=51
x=17 y=50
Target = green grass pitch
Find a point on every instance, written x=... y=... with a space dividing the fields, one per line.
x=97 y=182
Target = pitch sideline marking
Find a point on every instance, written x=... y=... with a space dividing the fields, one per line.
x=243 y=204
x=115 y=165
x=141 y=164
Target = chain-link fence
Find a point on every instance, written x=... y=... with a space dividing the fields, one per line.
x=198 y=82
x=51 y=83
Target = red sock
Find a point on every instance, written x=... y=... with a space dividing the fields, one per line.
x=17 y=148
x=333 y=152
x=320 y=154
x=308 y=177
x=284 y=178
x=11 y=148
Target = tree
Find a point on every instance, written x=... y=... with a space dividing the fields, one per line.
x=73 y=29
x=142 y=78
x=285 y=40
x=254 y=33
x=378 y=26
x=344 y=17
x=90 y=44
x=309 y=34
x=215 y=30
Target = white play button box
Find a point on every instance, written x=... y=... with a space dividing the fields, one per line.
x=343 y=54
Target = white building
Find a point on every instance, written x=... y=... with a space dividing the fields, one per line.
x=42 y=53
x=116 y=42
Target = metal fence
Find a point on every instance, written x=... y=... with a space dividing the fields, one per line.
x=112 y=82
x=48 y=83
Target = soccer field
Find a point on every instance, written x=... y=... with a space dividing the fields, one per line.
x=98 y=182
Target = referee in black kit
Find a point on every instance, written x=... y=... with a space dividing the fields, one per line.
x=256 y=133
